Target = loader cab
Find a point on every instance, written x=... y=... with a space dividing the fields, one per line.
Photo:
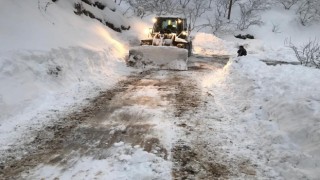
x=169 y=25
x=169 y=31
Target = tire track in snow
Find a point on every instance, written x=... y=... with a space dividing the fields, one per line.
x=189 y=153
x=109 y=119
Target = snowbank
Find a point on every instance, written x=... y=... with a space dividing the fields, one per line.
x=291 y=97
x=51 y=60
x=271 y=112
x=275 y=115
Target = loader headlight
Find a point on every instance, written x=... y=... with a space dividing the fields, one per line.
x=146 y=31
x=184 y=33
x=154 y=20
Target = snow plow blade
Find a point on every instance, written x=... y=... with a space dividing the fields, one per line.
x=158 y=57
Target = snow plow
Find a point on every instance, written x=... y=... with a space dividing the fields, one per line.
x=168 y=46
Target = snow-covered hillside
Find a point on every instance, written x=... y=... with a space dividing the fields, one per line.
x=52 y=59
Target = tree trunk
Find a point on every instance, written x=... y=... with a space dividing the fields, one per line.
x=230 y=5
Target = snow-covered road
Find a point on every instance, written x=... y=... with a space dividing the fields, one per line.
x=205 y=123
x=136 y=130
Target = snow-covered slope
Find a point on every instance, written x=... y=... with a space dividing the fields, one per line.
x=273 y=111
x=43 y=26
x=50 y=59
x=280 y=25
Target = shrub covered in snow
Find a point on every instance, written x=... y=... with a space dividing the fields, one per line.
x=308 y=12
x=308 y=54
x=193 y=10
x=287 y=4
x=249 y=13
x=143 y=8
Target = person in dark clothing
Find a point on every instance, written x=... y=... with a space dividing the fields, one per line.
x=242 y=51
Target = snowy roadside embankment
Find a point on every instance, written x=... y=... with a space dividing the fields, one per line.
x=36 y=82
x=51 y=62
x=291 y=97
x=271 y=112
x=273 y=116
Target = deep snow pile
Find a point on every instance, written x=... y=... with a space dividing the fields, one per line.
x=291 y=98
x=273 y=112
x=51 y=60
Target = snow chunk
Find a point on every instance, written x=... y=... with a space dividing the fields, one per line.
x=118 y=144
x=124 y=157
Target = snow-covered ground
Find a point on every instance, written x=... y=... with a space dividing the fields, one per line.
x=273 y=111
x=51 y=61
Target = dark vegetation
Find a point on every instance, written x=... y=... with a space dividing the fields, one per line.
x=247 y=36
x=80 y=9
